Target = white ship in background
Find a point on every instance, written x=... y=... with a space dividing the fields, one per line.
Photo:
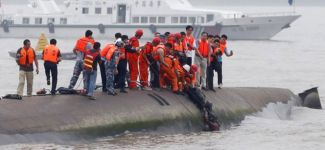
x=106 y=17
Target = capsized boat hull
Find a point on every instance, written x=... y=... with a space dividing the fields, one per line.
x=136 y=110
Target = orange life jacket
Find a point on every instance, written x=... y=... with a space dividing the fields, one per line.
x=89 y=60
x=155 y=49
x=50 y=53
x=26 y=57
x=104 y=51
x=204 y=48
x=222 y=46
x=178 y=47
x=110 y=53
x=169 y=59
x=82 y=43
x=189 y=42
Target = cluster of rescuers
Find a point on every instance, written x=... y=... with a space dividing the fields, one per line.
x=175 y=60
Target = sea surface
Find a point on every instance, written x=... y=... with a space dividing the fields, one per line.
x=293 y=59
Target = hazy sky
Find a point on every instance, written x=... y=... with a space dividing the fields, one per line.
x=225 y=2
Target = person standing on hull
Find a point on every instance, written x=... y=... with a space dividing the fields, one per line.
x=214 y=65
x=133 y=60
x=51 y=56
x=201 y=59
x=25 y=57
x=144 y=64
x=111 y=62
x=122 y=64
x=156 y=56
x=190 y=44
x=82 y=45
x=92 y=58
x=117 y=36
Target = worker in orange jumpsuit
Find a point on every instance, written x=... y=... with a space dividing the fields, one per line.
x=133 y=59
x=144 y=64
x=167 y=68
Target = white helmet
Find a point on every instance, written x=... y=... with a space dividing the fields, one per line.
x=187 y=67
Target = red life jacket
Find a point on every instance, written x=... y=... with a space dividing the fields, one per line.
x=89 y=60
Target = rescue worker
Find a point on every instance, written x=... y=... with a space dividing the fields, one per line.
x=190 y=75
x=155 y=64
x=111 y=62
x=83 y=44
x=25 y=57
x=122 y=65
x=201 y=60
x=190 y=45
x=92 y=58
x=117 y=35
x=179 y=48
x=133 y=60
x=167 y=68
x=51 y=56
x=144 y=64
x=214 y=65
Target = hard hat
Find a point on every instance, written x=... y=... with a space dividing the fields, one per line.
x=187 y=67
x=193 y=68
x=156 y=40
x=139 y=32
x=178 y=35
x=119 y=42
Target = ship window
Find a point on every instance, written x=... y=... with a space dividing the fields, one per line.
x=158 y=3
x=109 y=10
x=25 y=20
x=144 y=19
x=38 y=20
x=201 y=20
x=50 y=20
x=85 y=10
x=63 y=21
x=210 y=17
x=192 y=19
x=151 y=4
x=153 y=19
x=143 y=3
x=183 y=20
x=161 y=19
x=98 y=10
x=174 y=19
x=136 y=20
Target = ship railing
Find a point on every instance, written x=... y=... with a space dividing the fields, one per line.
x=244 y=15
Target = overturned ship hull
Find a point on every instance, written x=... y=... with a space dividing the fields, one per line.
x=136 y=110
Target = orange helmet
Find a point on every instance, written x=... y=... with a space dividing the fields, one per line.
x=139 y=32
x=193 y=68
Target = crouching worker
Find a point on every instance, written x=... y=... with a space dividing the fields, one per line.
x=92 y=58
x=167 y=68
x=111 y=62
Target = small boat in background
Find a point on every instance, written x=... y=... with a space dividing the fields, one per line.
x=42 y=42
